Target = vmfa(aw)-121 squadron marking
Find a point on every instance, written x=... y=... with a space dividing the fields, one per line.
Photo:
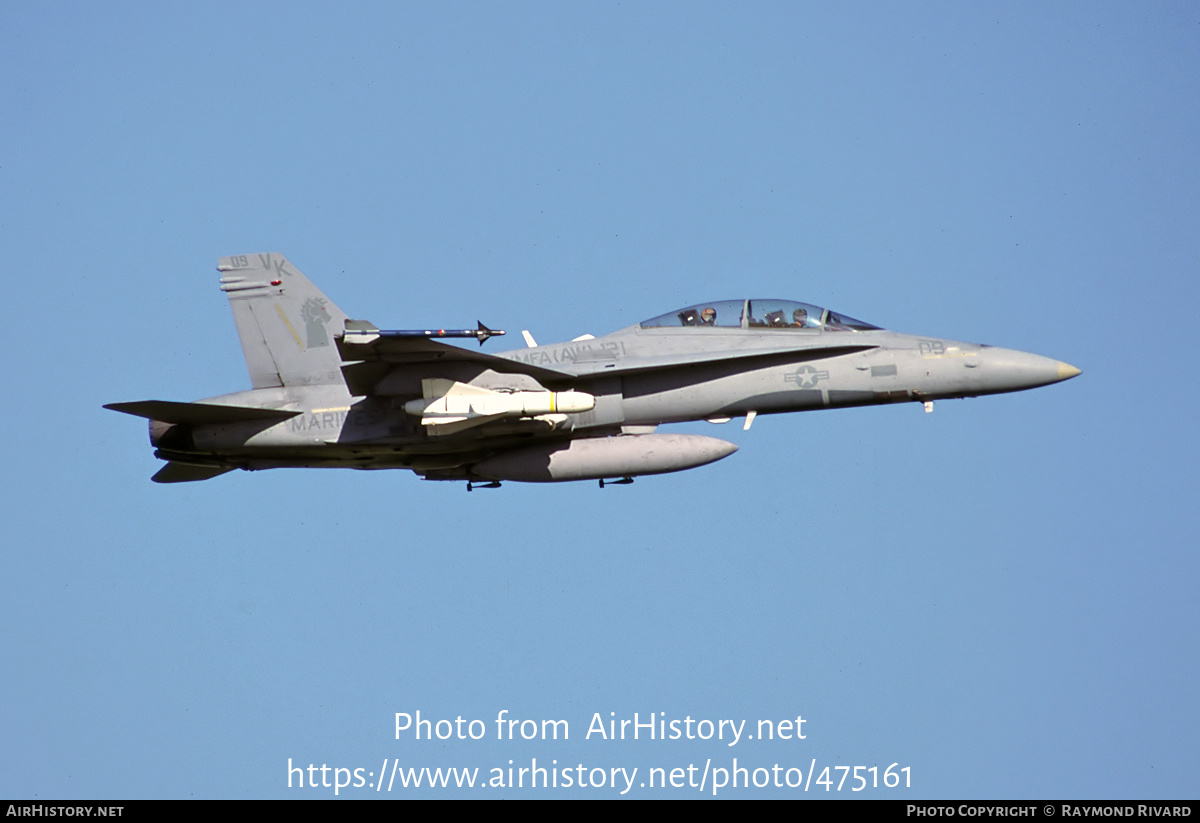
x=333 y=392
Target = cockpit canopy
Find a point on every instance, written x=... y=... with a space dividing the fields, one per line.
x=758 y=314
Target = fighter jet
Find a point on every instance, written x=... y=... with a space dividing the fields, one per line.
x=329 y=391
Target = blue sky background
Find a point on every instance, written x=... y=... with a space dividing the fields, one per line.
x=1000 y=595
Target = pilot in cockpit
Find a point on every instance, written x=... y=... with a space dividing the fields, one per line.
x=800 y=319
x=709 y=316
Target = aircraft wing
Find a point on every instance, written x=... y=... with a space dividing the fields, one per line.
x=369 y=354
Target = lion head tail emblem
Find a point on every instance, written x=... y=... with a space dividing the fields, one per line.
x=315 y=318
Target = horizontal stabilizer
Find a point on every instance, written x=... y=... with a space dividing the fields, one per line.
x=197 y=413
x=186 y=473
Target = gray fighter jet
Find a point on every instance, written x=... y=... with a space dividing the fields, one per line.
x=333 y=392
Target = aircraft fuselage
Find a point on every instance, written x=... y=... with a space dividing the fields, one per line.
x=334 y=392
x=334 y=428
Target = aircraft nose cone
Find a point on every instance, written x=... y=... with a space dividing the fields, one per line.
x=1009 y=370
x=1066 y=371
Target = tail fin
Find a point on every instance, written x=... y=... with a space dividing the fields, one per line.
x=285 y=323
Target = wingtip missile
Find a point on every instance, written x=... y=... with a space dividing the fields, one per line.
x=359 y=332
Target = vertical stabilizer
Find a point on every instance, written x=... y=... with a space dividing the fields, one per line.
x=285 y=323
